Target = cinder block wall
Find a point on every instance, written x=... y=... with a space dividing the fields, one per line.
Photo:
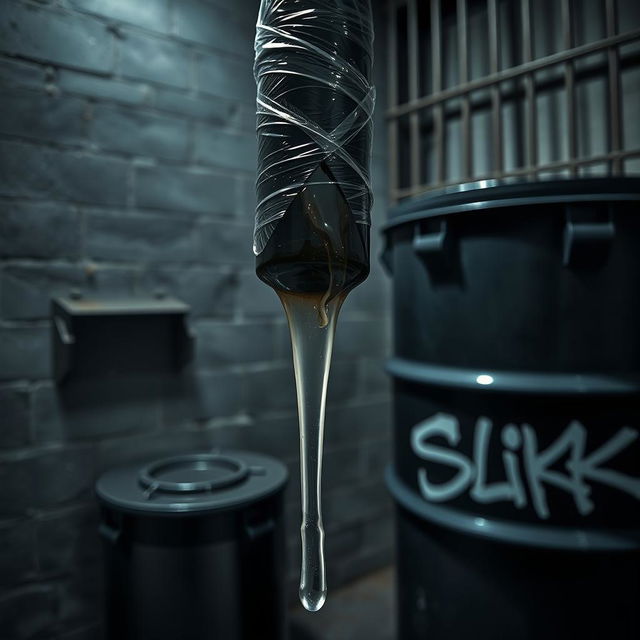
x=127 y=159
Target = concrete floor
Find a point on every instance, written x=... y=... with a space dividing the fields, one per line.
x=363 y=610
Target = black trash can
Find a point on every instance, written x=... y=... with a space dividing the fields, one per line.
x=195 y=548
x=517 y=411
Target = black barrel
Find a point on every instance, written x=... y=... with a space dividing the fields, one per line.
x=517 y=411
x=194 y=548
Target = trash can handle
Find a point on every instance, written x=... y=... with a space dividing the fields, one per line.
x=258 y=530
x=109 y=533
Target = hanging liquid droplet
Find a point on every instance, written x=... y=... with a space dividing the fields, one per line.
x=314 y=257
x=313 y=583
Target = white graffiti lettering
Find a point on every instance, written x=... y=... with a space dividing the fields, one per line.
x=446 y=426
x=536 y=471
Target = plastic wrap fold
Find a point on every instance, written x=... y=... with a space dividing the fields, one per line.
x=314 y=103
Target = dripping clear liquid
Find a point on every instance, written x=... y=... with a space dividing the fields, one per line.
x=315 y=256
x=312 y=331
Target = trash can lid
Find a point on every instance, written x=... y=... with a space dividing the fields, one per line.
x=192 y=483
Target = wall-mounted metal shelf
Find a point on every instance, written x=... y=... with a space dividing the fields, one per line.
x=97 y=336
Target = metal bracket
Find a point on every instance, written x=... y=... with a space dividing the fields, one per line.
x=587 y=236
x=63 y=345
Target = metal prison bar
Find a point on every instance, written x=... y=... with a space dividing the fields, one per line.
x=418 y=48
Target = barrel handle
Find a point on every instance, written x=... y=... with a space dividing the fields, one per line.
x=587 y=239
x=434 y=249
x=430 y=244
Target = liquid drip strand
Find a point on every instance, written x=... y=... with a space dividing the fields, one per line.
x=312 y=341
x=315 y=256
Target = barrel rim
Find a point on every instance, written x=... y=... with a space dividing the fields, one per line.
x=487 y=195
x=119 y=489
x=521 y=382
x=530 y=535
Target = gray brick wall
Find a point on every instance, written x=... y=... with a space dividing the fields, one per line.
x=127 y=158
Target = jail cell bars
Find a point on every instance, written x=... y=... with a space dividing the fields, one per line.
x=524 y=89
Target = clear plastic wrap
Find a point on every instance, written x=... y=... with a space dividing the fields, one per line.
x=314 y=104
